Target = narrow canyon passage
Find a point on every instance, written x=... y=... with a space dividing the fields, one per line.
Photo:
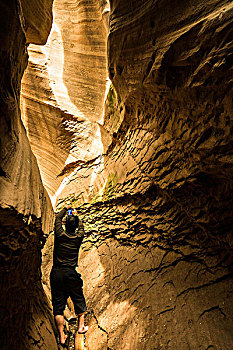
x=123 y=110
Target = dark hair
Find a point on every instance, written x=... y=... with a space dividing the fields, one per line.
x=72 y=222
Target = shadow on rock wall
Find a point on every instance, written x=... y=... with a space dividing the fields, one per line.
x=164 y=234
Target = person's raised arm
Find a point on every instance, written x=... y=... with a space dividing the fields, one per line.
x=58 y=221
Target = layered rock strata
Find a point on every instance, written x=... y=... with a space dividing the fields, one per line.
x=63 y=92
x=157 y=266
x=162 y=224
x=25 y=209
x=26 y=319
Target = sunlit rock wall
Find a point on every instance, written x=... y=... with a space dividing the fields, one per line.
x=158 y=266
x=63 y=93
x=25 y=209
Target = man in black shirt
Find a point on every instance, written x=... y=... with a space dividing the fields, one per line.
x=64 y=279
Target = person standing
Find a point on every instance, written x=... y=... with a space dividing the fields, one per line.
x=64 y=279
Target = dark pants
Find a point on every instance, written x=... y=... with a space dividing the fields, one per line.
x=65 y=282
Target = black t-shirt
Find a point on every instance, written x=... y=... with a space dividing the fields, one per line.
x=66 y=245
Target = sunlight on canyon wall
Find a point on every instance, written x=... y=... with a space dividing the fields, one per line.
x=147 y=161
x=63 y=92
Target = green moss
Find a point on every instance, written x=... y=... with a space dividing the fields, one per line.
x=96 y=198
x=111 y=99
x=109 y=189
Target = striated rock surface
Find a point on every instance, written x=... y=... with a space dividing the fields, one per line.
x=21 y=186
x=152 y=299
x=35 y=19
x=156 y=171
x=162 y=221
x=63 y=92
x=25 y=209
x=26 y=319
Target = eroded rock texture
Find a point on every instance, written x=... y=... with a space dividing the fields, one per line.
x=157 y=267
x=35 y=19
x=63 y=92
x=25 y=209
x=26 y=319
x=162 y=247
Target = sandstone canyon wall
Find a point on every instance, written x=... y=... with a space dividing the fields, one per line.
x=158 y=265
x=25 y=209
x=63 y=93
x=152 y=176
x=162 y=241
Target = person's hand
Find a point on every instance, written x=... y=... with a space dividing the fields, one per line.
x=74 y=212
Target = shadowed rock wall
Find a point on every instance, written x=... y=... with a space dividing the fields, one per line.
x=157 y=268
x=25 y=209
x=162 y=224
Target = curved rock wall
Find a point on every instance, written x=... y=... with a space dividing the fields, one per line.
x=158 y=266
x=35 y=19
x=25 y=209
x=63 y=92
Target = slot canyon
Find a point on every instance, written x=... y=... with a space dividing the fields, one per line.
x=124 y=110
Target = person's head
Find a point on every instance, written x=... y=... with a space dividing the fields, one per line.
x=72 y=222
